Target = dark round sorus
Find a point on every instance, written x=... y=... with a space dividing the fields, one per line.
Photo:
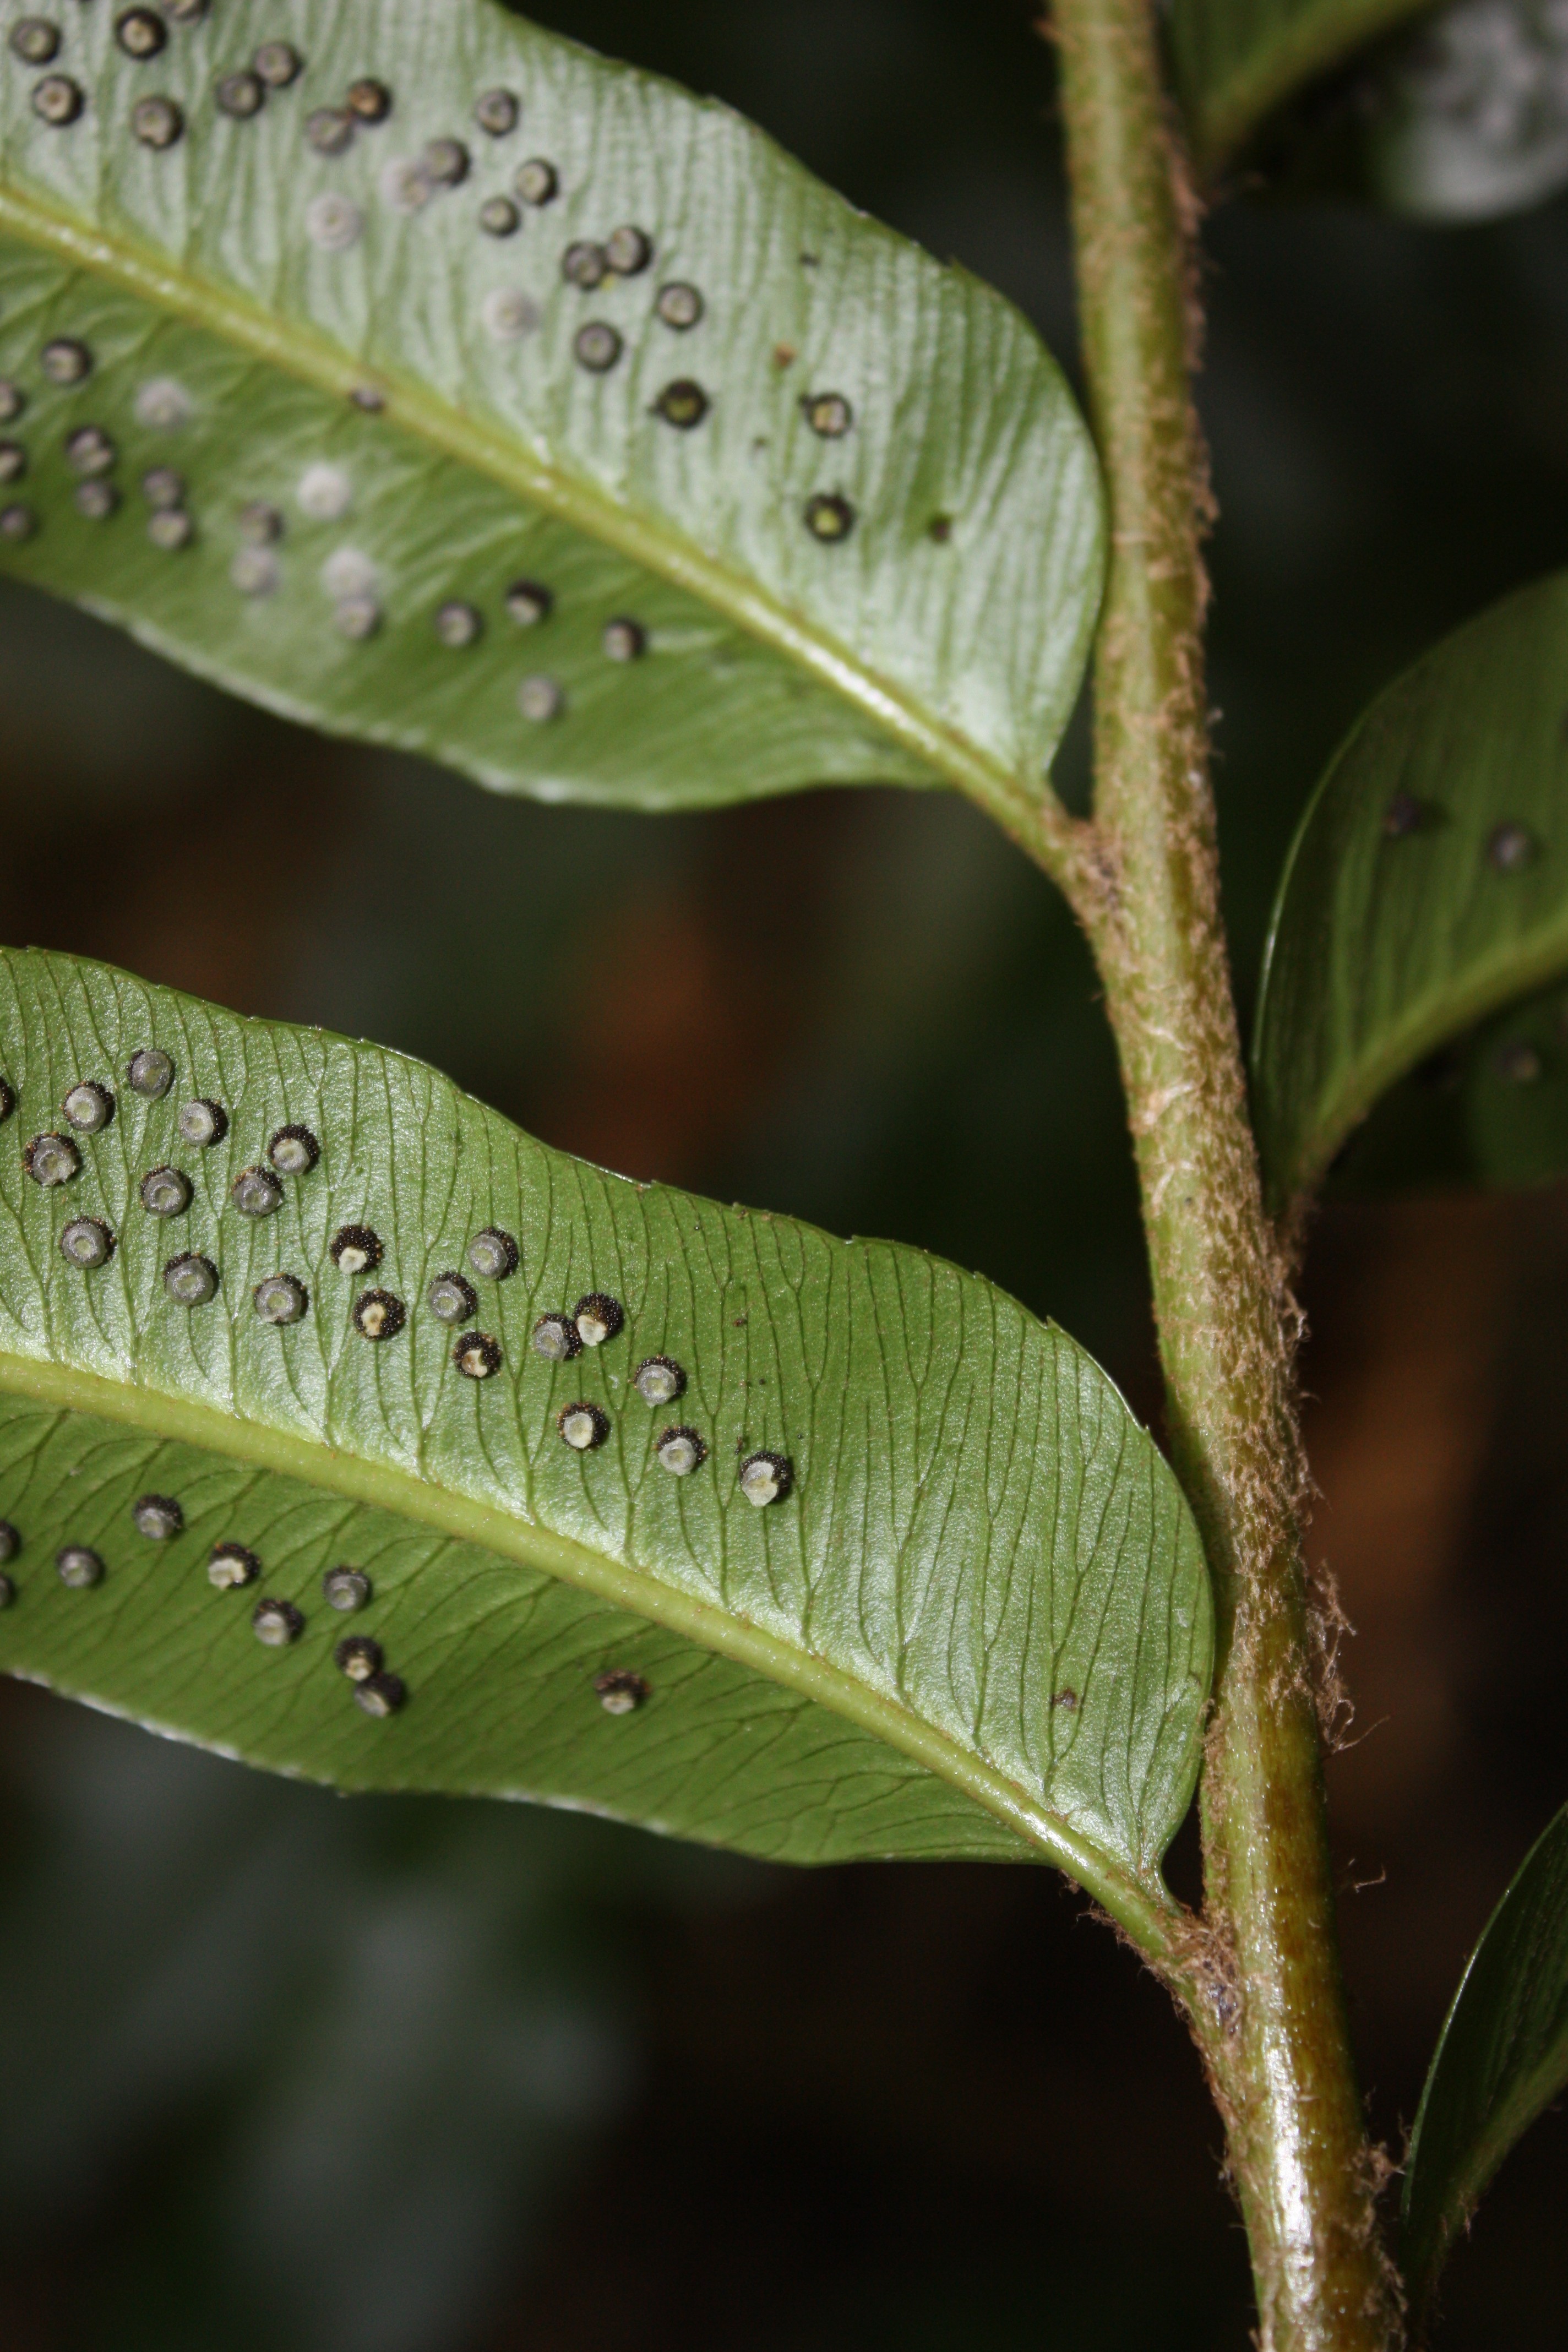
x=383 y=1695
x=156 y=122
x=356 y=1249
x=537 y=182
x=13 y=461
x=585 y=264
x=358 y=1656
x=7 y=1099
x=58 y=100
x=499 y=217
x=17 y=522
x=277 y=64
x=766 y=1477
x=597 y=346
x=827 y=412
x=629 y=251
x=659 y=1380
x=10 y=1540
x=682 y=403
x=457 y=625
x=528 y=602
x=7 y=1591
x=619 y=1691
x=681 y=1451
x=191 y=1279
x=477 y=1355
x=680 y=306
x=583 y=1425
x=828 y=517
x=78 y=1568
x=231 y=1566
x=35 y=40
x=377 y=1315
x=293 y=1150
x=494 y=1253
x=598 y=1318
x=496 y=111
x=13 y=401
x=276 y=1623
x=65 y=361
x=624 y=640
x=157 y=1516
x=140 y=33
x=368 y=100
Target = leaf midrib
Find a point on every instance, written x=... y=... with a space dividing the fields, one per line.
x=1142 y=1907
x=312 y=358
x=1493 y=982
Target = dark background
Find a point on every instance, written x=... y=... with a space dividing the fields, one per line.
x=282 y=2070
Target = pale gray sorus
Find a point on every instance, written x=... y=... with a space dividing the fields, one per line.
x=165 y=1192
x=157 y=1516
x=345 y=1589
x=190 y=1279
x=203 y=1121
x=280 y=1298
x=150 y=1072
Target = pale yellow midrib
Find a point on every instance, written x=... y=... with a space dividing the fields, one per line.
x=1145 y=1911
x=306 y=354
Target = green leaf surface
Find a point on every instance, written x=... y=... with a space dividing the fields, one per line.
x=1237 y=61
x=1421 y=928
x=977 y=1622
x=336 y=338
x=1501 y=2058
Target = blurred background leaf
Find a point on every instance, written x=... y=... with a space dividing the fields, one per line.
x=1501 y=2059
x=1425 y=897
x=917 y=2152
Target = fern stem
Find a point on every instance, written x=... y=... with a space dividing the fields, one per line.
x=1273 y=2031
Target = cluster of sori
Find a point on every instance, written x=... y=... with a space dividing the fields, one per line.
x=140 y=33
x=231 y=1567
x=335 y=221
x=659 y=1381
x=192 y=1280
x=1510 y=849
x=92 y=454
